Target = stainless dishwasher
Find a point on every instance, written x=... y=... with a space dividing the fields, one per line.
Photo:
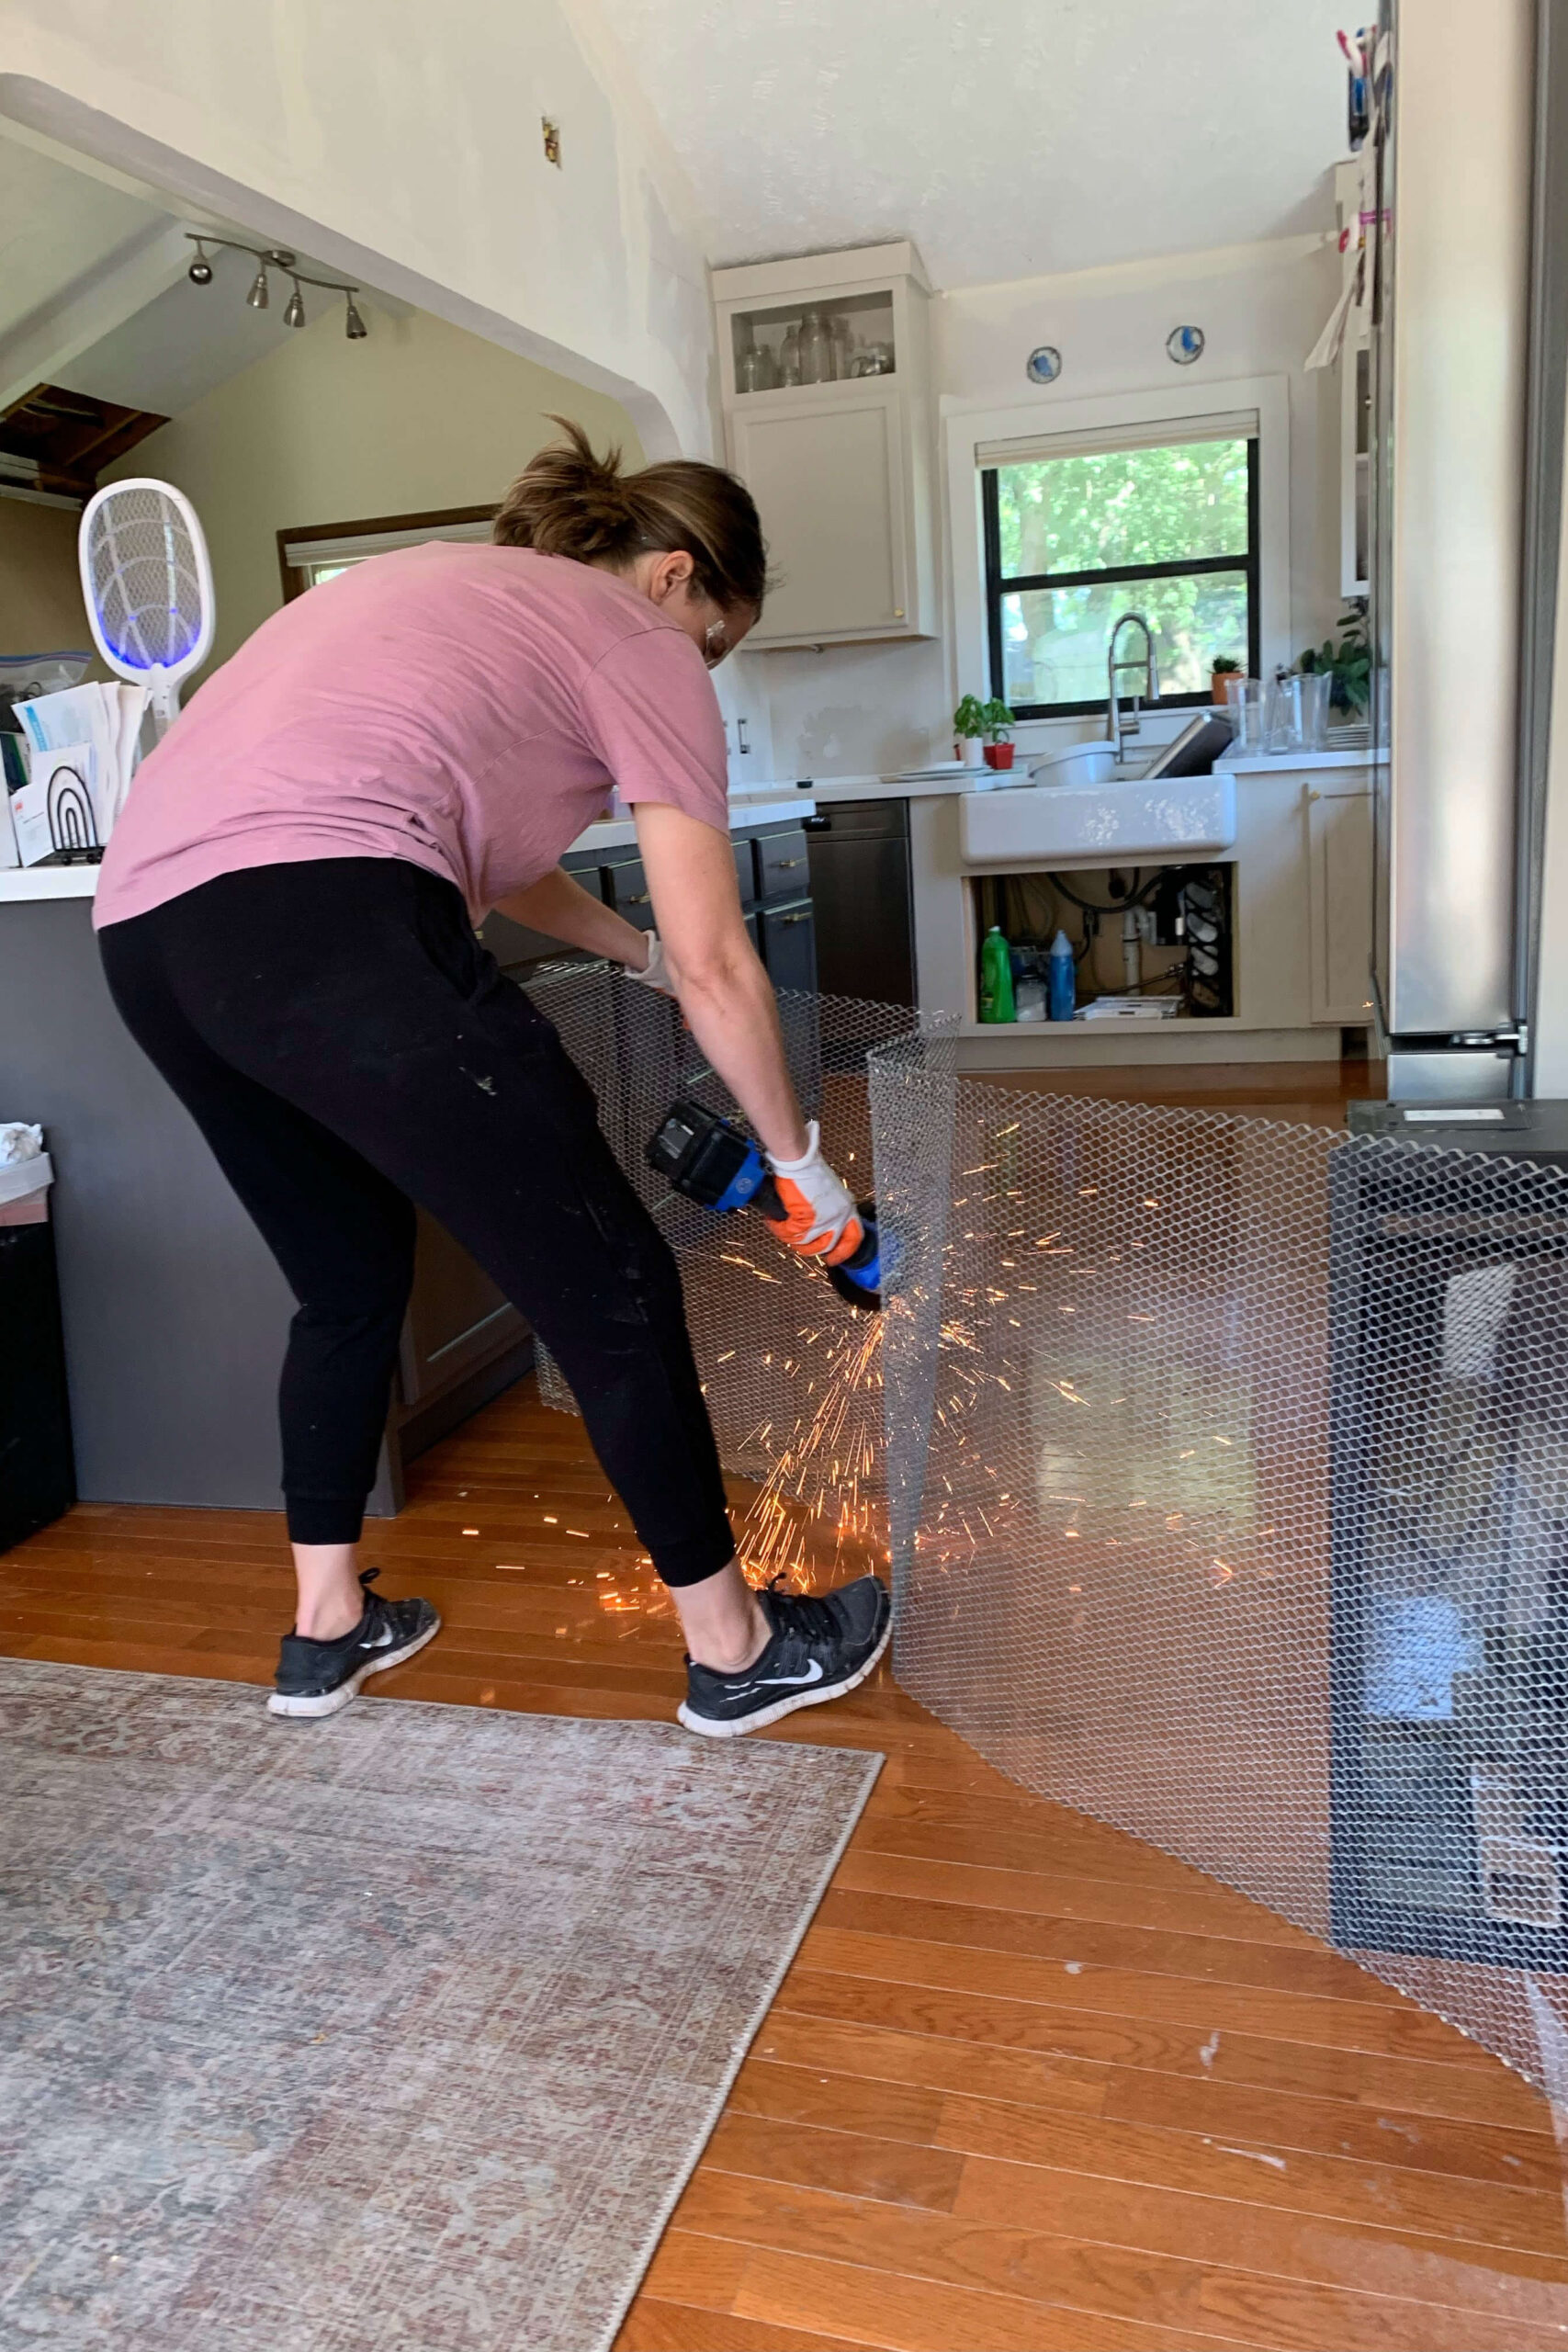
x=860 y=890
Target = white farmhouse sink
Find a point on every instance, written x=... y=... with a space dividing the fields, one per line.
x=1083 y=810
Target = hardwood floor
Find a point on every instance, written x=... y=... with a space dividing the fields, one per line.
x=1030 y=2086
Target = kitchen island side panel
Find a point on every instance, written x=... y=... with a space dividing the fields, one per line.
x=175 y=1313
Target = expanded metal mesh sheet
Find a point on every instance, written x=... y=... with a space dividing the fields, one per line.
x=1238 y=1516
x=1224 y=1466
x=792 y=1375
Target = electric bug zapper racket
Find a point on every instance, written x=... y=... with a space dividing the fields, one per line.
x=147 y=579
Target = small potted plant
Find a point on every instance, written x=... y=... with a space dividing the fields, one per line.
x=1224 y=667
x=968 y=726
x=997 y=723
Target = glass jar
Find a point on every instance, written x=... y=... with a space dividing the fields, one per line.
x=746 y=369
x=843 y=348
x=789 y=358
x=766 y=370
x=816 y=349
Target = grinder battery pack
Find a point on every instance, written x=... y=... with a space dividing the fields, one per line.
x=713 y=1163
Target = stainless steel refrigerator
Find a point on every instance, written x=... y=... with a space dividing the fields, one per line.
x=1467 y=258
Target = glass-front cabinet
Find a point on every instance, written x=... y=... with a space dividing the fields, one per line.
x=827 y=419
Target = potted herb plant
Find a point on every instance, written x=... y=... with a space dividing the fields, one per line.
x=968 y=726
x=1348 y=664
x=998 y=725
x=1224 y=667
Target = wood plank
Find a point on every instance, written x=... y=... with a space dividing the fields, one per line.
x=848 y=2163
x=874 y=2308
x=791 y=2046
x=1109 y=1944
x=1506 y=2283
x=1420 y=2086
x=1375 y=2026
x=653 y=2326
x=1215 y=1911
x=1336 y=2127
x=1102 y=2282
x=1061 y=2138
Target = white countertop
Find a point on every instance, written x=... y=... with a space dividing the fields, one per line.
x=1298 y=762
x=21 y=882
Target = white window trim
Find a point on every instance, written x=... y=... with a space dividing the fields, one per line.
x=967 y=428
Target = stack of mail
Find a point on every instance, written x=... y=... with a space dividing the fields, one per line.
x=82 y=749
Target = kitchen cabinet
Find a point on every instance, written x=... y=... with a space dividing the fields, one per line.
x=842 y=470
x=1339 y=899
x=828 y=485
x=789 y=946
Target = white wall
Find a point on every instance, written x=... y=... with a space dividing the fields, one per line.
x=418 y=418
x=402 y=146
x=872 y=709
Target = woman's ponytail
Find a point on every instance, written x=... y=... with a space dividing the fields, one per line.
x=568 y=502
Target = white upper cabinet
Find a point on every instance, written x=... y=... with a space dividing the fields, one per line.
x=826 y=413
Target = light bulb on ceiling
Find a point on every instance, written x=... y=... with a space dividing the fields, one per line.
x=294 y=309
x=200 y=270
x=353 y=325
x=258 y=297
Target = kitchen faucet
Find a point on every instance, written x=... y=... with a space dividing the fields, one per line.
x=1120 y=725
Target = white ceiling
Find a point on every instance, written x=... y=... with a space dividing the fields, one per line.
x=93 y=294
x=56 y=226
x=1013 y=139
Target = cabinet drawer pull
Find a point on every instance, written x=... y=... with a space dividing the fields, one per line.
x=643 y=898
x=805 y=916
x=787 y=865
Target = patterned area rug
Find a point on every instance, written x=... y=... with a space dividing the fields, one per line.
x=399 y=2030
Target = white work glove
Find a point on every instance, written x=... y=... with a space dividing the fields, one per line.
x=820 y=1219
x=657 y=973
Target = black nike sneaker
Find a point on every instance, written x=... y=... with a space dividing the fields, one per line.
x=822 y=1645
x=318 y=1678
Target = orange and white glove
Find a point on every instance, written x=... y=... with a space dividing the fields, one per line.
x=819 y=1217
x=655 y=973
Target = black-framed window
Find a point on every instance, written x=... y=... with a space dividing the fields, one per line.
x=1073 y=542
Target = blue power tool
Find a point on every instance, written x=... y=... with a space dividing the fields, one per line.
x=713 y=1163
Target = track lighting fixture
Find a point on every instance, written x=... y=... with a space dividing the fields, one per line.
x=270 y=257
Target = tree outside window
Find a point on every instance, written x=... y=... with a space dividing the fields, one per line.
x=1073 y=542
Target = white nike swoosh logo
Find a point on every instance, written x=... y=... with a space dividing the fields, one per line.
x=383 y=1640
x=772 y=1681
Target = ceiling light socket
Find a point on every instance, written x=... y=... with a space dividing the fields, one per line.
x=552 y=139
x=294 y=309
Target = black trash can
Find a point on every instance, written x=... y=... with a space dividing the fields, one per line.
x=38 y=1480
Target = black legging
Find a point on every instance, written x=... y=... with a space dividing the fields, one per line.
x=347 y=1048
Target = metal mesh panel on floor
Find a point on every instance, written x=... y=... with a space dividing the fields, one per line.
x=1228 y=1469
x=792 y=1375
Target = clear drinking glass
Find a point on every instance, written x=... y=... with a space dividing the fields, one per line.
x=1298 y=712
x=1246 y=705
x=843 y=346
x=789 y=358
x=1316 y=689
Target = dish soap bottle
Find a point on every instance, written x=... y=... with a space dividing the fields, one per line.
x=996 y=978
x=1061 y=979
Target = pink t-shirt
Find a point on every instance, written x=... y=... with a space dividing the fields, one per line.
x=467 y=708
